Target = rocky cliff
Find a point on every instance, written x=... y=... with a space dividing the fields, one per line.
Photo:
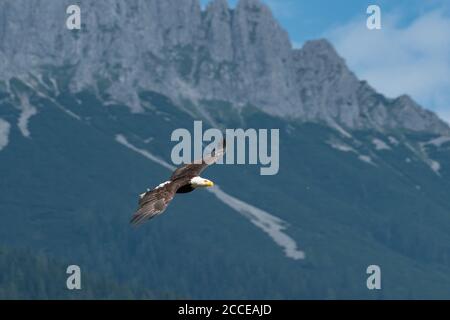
x=174 y=47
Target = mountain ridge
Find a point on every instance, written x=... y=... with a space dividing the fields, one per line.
x=242 y=56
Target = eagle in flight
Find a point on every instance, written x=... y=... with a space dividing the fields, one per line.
x=183 y=180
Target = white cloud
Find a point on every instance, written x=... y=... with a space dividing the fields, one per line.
x=412 y=59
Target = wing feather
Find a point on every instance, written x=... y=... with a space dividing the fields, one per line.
x=154 y=202
x=194 y=169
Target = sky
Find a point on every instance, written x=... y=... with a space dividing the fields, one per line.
x=410 y=54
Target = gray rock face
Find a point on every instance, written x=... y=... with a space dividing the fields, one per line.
x=173 y=47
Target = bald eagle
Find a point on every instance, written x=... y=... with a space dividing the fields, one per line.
x=183 y=180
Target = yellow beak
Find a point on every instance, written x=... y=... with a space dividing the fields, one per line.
x=209 y=183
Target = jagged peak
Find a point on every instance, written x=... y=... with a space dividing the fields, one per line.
x=323 y=48
x=405 y=99
x=217 y=8
x=319 y=45
x=321 y=54
x=254 y=6
x=240 y=54
x=256 y=18
x=217 y=5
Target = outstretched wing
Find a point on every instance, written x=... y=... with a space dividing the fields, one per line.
x=154 y=202
x=194 y=169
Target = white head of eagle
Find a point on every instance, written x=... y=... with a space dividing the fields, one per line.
x=199 y=182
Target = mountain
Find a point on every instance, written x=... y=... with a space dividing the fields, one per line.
x=85 y=124
x=241 y=56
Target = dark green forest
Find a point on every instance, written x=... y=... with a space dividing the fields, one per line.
x=29 y=275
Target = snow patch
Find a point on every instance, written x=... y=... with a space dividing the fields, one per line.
x=438 y=142
x=148 y=140
x=346 y=148
x=340 y=129
x=41 y=81
x=380 y=144
x=341 y=147
x=271 y=225
x=27 y=112
x=268 y=223
x=4 y=133
x=55 y=86
x=366 y=159
x=122 y=140
x=435 y=166
x=393 y=141
x=56 y=103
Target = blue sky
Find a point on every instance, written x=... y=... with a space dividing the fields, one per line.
x=410 y=54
